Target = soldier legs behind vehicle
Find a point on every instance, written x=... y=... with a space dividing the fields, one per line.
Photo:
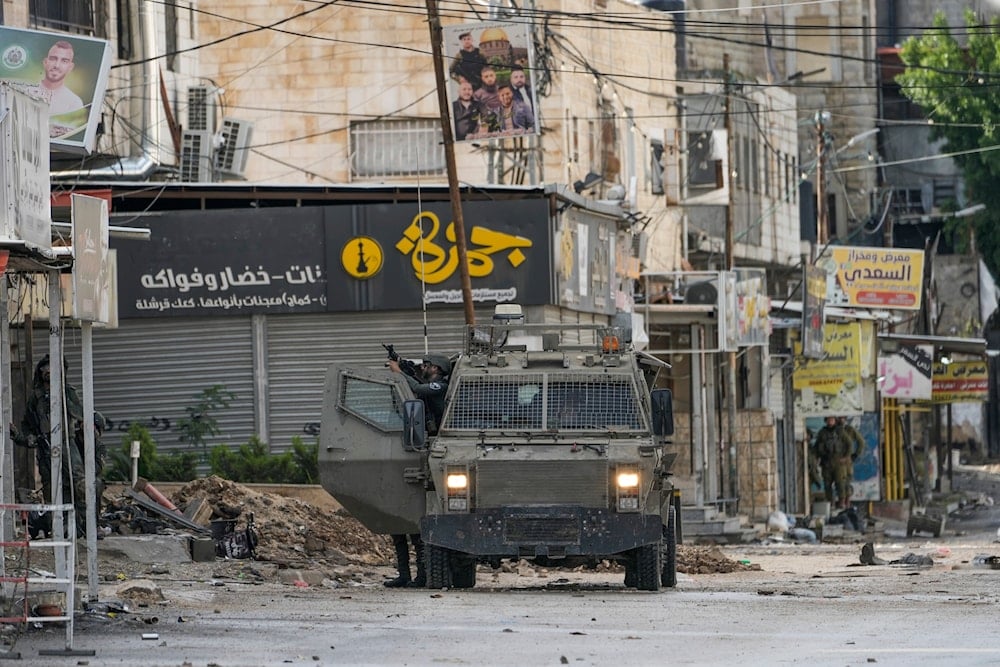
x=403 y=562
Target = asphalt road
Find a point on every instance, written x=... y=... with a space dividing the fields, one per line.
x=806 y=605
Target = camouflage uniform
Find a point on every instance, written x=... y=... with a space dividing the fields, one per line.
x=36 y=431
x=832 y=448
x=856 y=447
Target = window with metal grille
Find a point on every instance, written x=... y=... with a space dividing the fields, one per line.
x=397 y=147
x=545 y=401
x=76 y=17
x=376 y=403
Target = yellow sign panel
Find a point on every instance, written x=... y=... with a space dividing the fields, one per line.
x=960 y=381
x=831 y=385
x=888 y=278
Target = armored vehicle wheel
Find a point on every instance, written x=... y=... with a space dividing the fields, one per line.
x=463 y=571
x=438 y=566
x=668 y=577
x=647 y=566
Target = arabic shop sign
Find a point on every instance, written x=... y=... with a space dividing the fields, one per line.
x=332 y=259
x=434 y=255
x=878 y=278
x=907 y=373
x=831 y=385
x=960 y=381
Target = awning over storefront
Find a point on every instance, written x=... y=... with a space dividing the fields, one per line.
x=942 y=344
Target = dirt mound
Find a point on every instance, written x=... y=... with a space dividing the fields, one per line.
x=293 y=532
x=708 y=560
x=290 y=530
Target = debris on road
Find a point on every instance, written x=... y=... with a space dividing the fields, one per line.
x=294 y=535
x=868 y=557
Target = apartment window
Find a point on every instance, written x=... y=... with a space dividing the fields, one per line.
x=76 y=17
x=703 y=170
x=396 y=148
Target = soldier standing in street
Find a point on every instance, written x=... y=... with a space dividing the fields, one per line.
x=36 y=429
x=430 y=385
x=855 y=448
x=832 y=448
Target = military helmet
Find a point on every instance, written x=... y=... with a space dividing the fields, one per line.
x=439 y=360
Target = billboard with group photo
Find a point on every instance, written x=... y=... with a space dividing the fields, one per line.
x=69 y=73
x=492 y=80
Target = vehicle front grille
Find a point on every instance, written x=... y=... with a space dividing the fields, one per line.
x=502 y=483
x=542 y=530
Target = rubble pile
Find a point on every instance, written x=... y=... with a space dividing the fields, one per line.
x=293 y=533
x=290 y=530
x=708 y=560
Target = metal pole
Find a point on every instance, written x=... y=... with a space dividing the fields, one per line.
x=56 y=437
x=7 y=483
x=434 y=24
x=734 y=485
x=89 y=460
x=822 y=225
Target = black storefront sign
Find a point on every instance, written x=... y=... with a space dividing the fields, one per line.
x=354 y=257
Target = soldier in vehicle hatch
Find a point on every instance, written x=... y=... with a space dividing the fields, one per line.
x=430 y=386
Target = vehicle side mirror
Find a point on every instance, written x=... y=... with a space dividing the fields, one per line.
x=414 y=426
x=663 y=412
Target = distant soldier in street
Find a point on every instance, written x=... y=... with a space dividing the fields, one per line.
x=856 y=447
x=832 y=450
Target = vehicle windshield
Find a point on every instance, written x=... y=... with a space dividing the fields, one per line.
x=545 y=402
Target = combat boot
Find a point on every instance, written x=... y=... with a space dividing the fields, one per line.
x=402 y=563
x=399 y=582
x=418 y=546
x=421 y=579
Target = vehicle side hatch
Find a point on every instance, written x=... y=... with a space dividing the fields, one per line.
x=362 y=460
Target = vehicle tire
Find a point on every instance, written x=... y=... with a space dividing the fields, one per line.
x=668 y=577
x=438 y=566
x=647 y=567
x=463 y=571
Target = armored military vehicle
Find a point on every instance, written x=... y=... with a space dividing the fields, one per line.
x=551 y=448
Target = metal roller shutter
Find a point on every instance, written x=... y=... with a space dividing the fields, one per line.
x=301 y=347
x=151 y=370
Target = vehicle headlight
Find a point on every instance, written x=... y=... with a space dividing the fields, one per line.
x=628 y=480
x=456 y=481
x=627 y=483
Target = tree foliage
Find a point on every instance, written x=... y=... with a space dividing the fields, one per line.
x=254 y=462
x=959 y=90
x=200 y=424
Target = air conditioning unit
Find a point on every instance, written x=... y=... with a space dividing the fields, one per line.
x=196 y=157
x=231 y=158
x=201 y=109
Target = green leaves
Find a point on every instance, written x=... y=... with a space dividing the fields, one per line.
x=959 y=90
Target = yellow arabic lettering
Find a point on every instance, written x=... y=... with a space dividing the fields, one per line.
x=430 y=261
x=434 y=263
x=490 y=242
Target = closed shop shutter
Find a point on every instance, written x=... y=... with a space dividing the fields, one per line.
x=301 y=347
x=151 y=370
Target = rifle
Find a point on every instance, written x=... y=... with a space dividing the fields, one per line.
x=405 y=365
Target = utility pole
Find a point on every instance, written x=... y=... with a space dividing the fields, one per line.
x=734 y=487
x=822 y=224
x=434 y=23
